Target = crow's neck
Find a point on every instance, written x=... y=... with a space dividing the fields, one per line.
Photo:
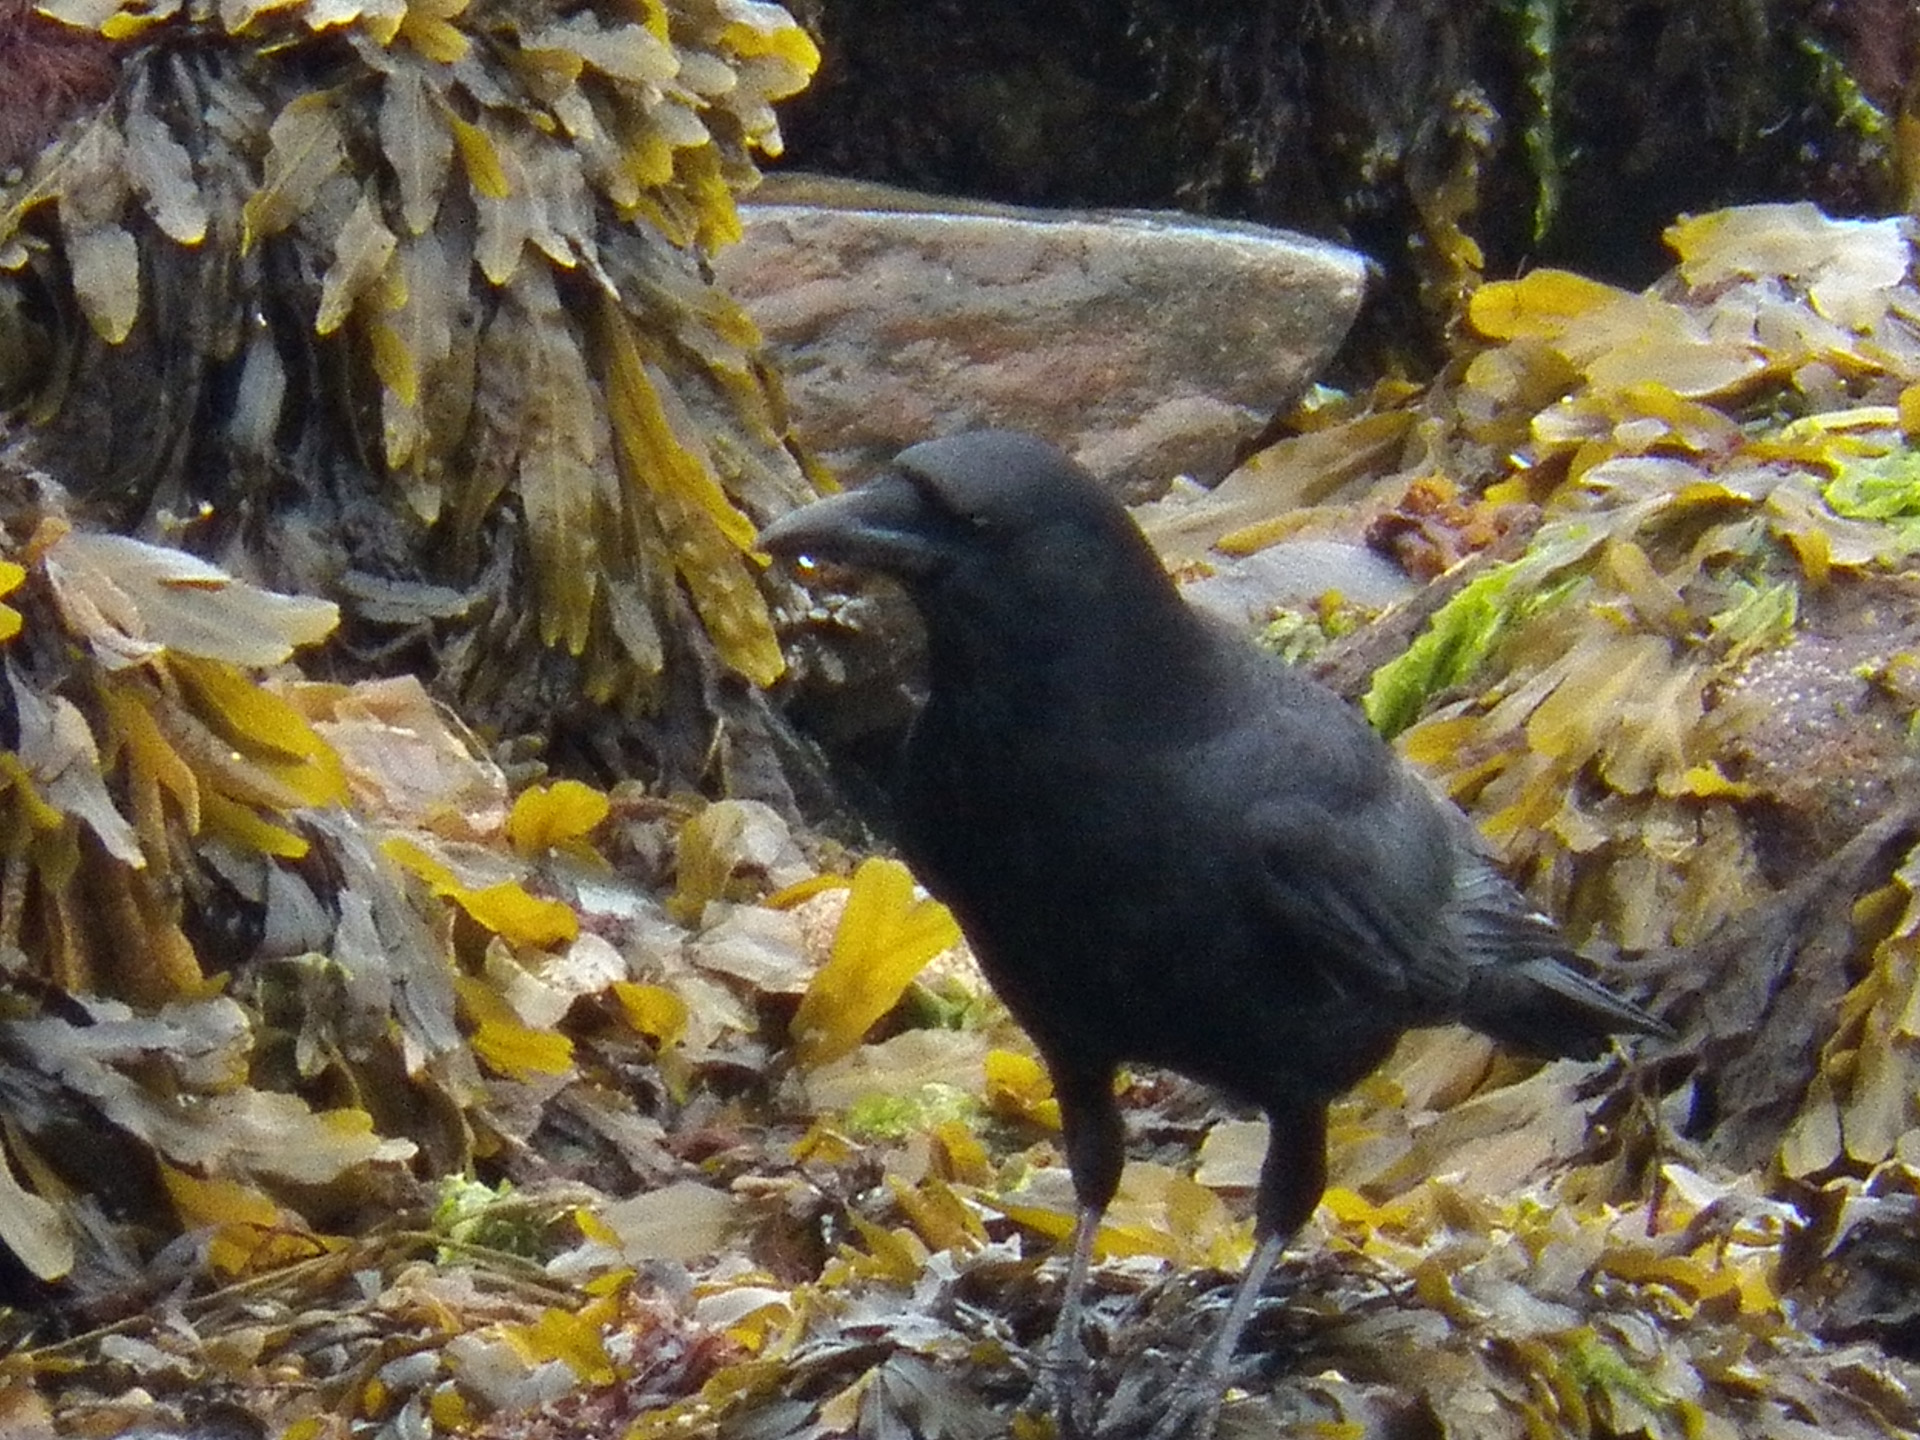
x=1102 y=669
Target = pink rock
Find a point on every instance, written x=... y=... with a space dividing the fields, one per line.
x=1147 y=345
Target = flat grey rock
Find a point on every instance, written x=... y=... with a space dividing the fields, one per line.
x=1146 y=345
x=1294 y=574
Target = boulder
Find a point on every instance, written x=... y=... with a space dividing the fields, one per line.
x=1148 y=345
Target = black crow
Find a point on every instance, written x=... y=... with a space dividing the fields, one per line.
x=1166 y=846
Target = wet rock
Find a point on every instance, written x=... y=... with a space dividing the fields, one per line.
x=1829 y=748
x=1147 y=345
x=1293 y=574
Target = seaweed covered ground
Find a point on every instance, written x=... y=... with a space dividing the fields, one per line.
x=536 y=1109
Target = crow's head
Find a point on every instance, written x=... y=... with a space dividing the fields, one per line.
x=1034 y=583
x=993 y=520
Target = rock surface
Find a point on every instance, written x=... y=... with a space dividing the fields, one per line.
x=1294 y=574
x=1147 y=345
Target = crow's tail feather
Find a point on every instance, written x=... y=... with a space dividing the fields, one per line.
x=1520 y=988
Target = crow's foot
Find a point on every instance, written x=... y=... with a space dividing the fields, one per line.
x=1066 y=1384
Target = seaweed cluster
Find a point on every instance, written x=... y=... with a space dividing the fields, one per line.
x=402 y=305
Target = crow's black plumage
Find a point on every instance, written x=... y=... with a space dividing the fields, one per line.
x=1164 y=845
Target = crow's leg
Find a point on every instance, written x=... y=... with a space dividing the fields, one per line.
x=1096 y=1153
x=1067 y=1368
x=1190 y=1408
x=1292 y=1178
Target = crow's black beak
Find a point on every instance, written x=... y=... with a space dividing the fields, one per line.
x=885 y=525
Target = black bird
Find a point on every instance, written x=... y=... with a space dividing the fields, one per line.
x=1166 y=846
